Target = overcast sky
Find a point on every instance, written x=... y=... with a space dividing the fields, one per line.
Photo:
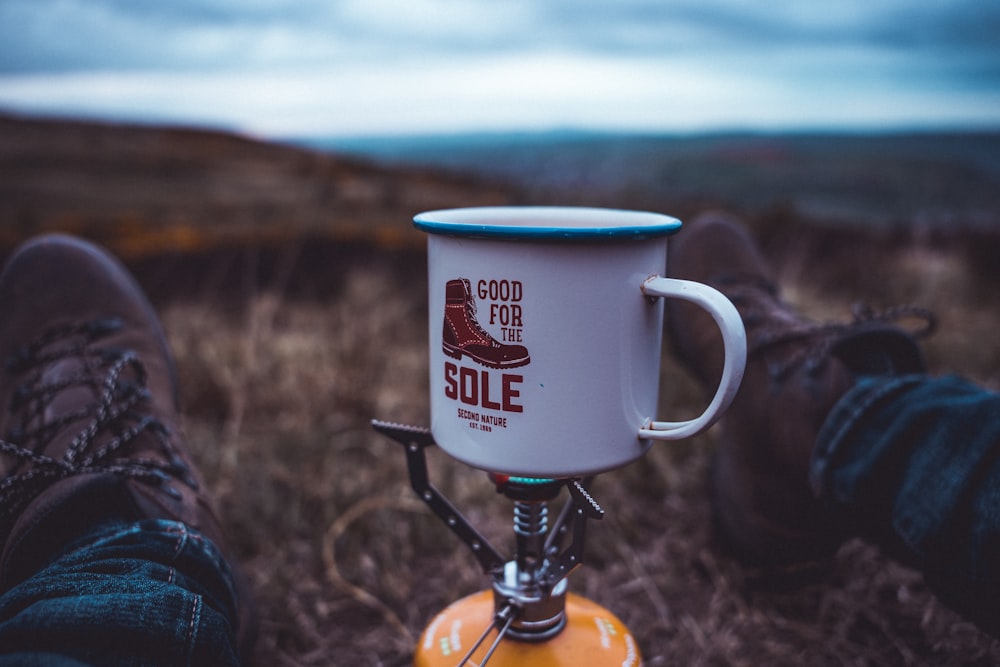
x=375 y=67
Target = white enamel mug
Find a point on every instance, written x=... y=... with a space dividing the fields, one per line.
x=545 y=332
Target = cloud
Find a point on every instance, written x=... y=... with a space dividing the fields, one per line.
x=503 y=92
x=83 y=35
x=121 y=35
x=350 y=65
x=110 y=35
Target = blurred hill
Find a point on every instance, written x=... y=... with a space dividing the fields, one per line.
x=191 y=208
x=145 y=189
x=940 y=181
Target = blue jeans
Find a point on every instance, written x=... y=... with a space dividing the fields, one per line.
x=913 y=463
x=150 y=592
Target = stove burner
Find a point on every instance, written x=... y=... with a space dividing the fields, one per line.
x=530 y=590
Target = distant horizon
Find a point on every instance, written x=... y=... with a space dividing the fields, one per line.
x=721 y=131
x=517 y=132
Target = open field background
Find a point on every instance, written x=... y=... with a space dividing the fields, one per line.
x=293 y=293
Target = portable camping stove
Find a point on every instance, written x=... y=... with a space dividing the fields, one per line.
x=533 y=618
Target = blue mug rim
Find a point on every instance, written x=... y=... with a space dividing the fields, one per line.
x=546 y=223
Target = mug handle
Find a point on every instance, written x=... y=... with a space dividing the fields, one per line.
x=734 y=339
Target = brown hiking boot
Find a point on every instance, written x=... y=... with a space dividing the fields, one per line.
x=88 y=409
x=796 y=371
x=463 y=334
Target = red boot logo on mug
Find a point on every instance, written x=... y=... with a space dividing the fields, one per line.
x=464 y=336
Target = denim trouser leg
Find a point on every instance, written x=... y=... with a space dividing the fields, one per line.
x=913 y=463
x=128 y=593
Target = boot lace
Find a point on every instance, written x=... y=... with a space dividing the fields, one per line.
x=756 y=298
x=471 y=311
x=117 y=378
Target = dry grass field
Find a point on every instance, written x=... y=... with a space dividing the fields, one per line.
x=287 y=347
x=348 y=566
